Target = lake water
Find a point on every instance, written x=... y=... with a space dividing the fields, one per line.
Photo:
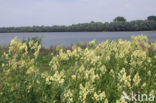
x=68 y=38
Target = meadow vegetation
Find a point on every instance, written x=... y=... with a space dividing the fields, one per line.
x=93 y=73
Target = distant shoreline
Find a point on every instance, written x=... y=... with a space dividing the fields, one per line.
x=81 y=31
x=118 y=25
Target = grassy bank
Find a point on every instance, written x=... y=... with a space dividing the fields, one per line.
x=91 y=73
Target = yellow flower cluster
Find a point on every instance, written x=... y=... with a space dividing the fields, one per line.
x=120 y=60
x=96 y=74
x=18 y=51
x=100 y=97
x=136 y=79
x=57 y=77
x=124 y=79
x=19 y=65
x=68 y=96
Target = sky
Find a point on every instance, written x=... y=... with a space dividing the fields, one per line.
x=67 y=12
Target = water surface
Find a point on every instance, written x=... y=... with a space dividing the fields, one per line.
x=68 y=38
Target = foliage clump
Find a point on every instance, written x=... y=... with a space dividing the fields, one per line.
x=97 y=74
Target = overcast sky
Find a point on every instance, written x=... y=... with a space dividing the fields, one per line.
x=66 y=12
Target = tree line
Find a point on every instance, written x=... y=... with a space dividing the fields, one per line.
x=118 y=24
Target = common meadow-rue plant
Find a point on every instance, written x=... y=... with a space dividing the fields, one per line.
x=18 y=72
x=97 y=74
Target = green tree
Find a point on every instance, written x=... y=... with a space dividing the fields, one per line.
x=119 y=19
x=151 y=18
